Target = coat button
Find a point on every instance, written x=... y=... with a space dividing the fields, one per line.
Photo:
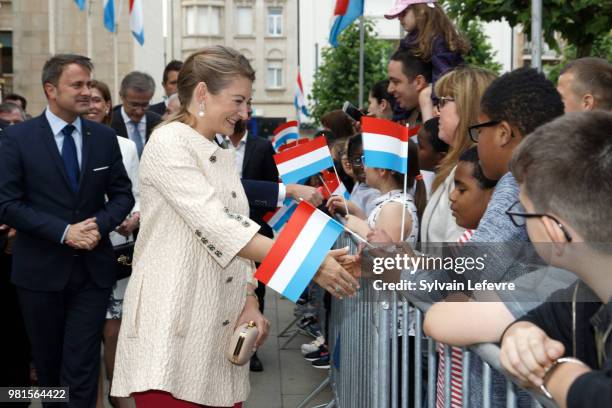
x=225 y=323
x=211 y=247
x=213 y=159
x=218 y=253
x=246 y=224
x=228 y=280
x=239 y=218
x=225 y=210
x=198 y=233
x=204 y=241
x=234 y=195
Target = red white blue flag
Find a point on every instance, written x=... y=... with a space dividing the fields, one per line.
x=345 y=12
x=137 y=20
x=385 y=144
x=304 y=160
x=298 y=251
x=285 y=133
x=300 y=99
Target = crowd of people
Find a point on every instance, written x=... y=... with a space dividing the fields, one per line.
x=182 y=186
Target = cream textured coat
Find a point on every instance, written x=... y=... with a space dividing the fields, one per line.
x=438 y=224
x=187 y=288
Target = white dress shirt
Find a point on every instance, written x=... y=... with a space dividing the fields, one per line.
x=142 y=127
x=57 y=124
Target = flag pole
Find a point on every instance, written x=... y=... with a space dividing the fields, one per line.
x=361 y=59
x=404 y=206
x=330 y=193
x=88 y=29
x=116 y=50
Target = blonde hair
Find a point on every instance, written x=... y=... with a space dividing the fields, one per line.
x=433 y=22
x=217 y=66
x=465 y=85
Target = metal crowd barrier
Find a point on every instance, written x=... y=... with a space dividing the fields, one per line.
x=367 y=370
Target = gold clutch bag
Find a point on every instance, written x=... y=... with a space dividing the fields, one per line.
x=242 y=344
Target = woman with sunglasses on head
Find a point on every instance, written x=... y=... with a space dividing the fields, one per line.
x=459 y=94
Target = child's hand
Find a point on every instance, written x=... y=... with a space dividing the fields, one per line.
x=425 y=103
x=527 y=351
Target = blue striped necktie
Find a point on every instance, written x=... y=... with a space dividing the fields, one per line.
x=69 y=157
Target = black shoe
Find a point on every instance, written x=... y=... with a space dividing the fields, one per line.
x=315 y=355
x=322 y=363
x=255 y=364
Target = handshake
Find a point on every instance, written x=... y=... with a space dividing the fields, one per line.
x=84 y=235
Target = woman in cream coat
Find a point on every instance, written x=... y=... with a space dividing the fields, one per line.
x=192 y=282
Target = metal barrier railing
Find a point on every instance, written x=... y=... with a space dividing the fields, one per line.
x=371 y=360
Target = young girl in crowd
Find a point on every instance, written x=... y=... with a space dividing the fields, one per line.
x=469 y=200
x=431 y=35
x=389 y=206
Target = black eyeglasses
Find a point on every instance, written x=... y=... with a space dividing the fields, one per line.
x=137 y=105
x=475 y=133
x=443 y=100
x=519 y=217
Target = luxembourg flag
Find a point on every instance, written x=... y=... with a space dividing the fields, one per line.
x=332 y=185
x=284 y=133
x=385 y=144
x=137 y=20
x=278 y=218
x=109 y=15
x=300 y=101
x=298 y=251
x=302 y=161
x=345 y=12
x=293 y=143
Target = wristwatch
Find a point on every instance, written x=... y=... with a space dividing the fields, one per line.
x=549 y=372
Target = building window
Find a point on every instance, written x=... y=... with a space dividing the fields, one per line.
x=6 y=54
x=275 y=74
x=202 y=20
x=244 y=21
x=275 y=21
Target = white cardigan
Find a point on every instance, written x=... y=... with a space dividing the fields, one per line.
x=438 y=223
x=187 y=287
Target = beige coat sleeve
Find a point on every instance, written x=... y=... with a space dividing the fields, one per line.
x=183 y=183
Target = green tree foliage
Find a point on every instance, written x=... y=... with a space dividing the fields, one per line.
x=580 y=22
x=337 y=78
x=481 y=52
x=602 y=47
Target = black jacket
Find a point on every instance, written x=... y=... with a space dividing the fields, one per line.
x=159 y=108
x=259 y=165
x=117 y=123
x=574 y=323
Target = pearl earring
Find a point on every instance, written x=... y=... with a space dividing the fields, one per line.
x=201 y=112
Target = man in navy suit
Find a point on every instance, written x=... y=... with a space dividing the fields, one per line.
x=63 y=187
x=131 y=119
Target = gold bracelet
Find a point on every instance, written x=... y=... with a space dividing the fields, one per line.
x=550 y=370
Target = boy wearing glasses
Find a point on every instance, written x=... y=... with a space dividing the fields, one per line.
x=565 y=348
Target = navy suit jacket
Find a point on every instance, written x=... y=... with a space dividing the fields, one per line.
x=159 y=108
x=117 y=123
x=36 y=199
x=258 y=165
